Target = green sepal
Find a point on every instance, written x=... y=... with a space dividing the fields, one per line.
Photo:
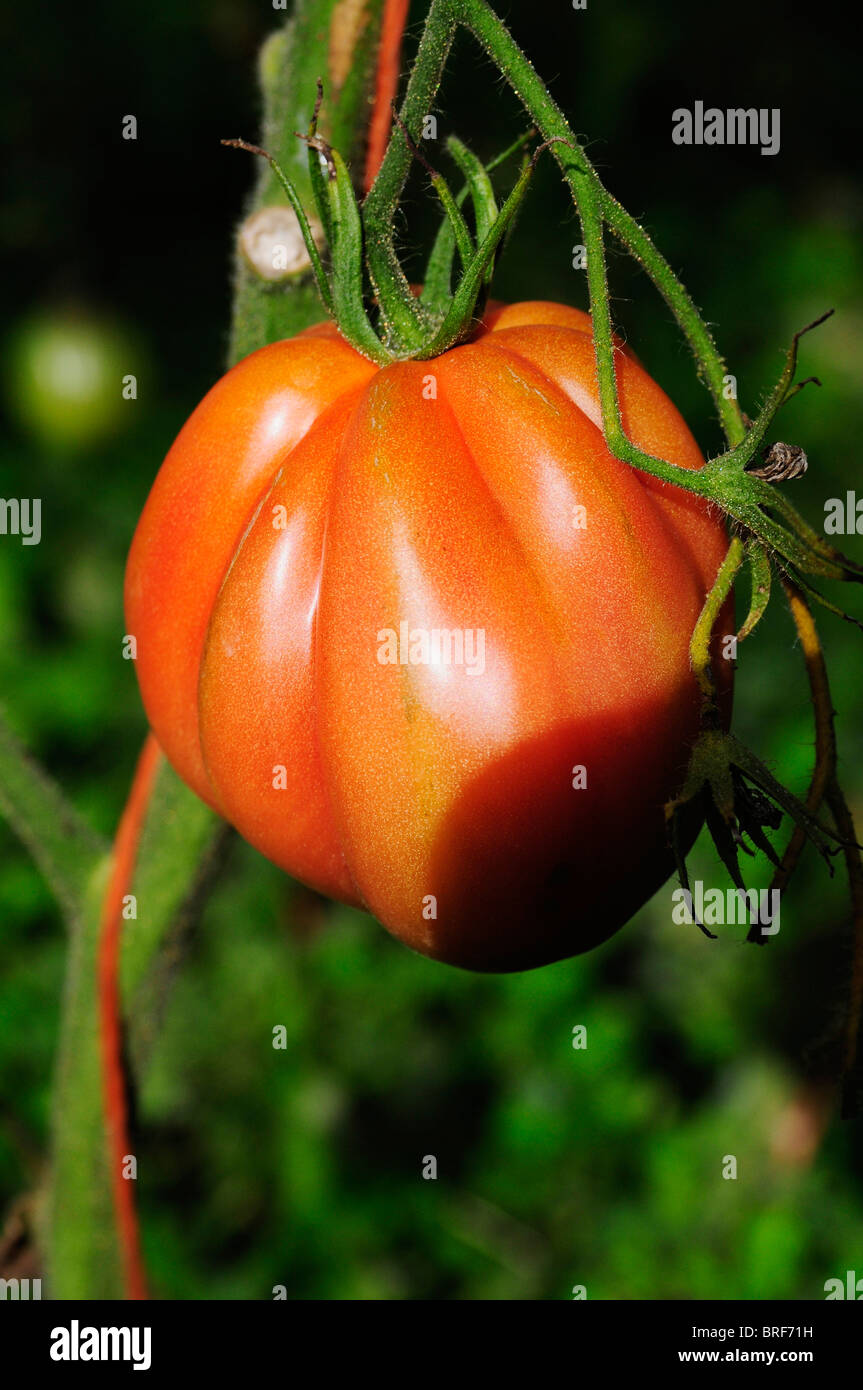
x=479 y=184
x=347 y=262
x=300 y=213
x=459 y=318
x=317 y=164
x=437 y=282
x=761 y=577
x=460 y=230
x=737 y=794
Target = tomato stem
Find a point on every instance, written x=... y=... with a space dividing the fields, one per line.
x=700 y=643
x=749 y=502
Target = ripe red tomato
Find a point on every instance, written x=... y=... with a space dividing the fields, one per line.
x=319 y=519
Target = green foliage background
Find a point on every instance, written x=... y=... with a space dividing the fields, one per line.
x=556 y=1167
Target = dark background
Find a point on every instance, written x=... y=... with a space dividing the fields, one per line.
x=599 y=1167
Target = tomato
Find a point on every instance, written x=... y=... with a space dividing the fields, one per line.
x=65 y=377
x=493 y=795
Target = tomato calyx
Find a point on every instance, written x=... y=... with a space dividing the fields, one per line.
x=379 y=314
x=770 y=532
x=727 y=787
x=377 y=311
x=736 y=795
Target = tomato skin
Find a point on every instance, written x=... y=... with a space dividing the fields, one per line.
x=311 y=505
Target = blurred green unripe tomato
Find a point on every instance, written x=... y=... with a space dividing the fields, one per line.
x=64 y=375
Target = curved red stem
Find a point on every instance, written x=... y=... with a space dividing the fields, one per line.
x=386 y=86
x=114 y=1092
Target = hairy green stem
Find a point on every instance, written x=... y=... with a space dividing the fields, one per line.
x=592 y=203
x=700 y=643
x=61 y=842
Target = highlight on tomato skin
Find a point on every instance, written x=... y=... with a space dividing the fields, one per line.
x=423 y=641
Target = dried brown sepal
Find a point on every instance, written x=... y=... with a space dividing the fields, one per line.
x=782 y=462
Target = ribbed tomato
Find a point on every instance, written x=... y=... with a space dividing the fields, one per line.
x=423 y=640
